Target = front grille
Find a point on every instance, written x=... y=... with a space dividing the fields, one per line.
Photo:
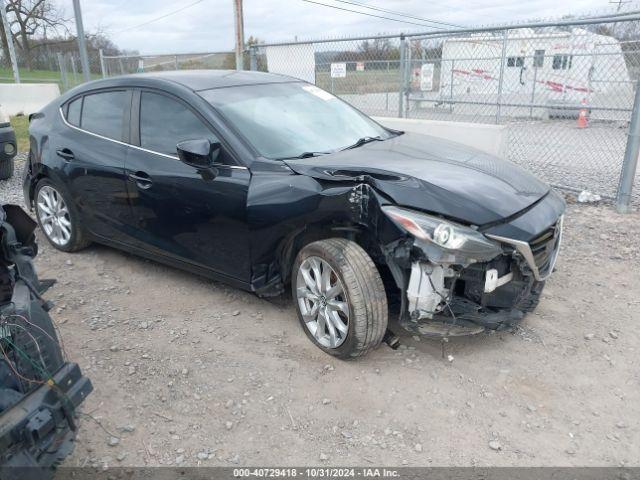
x=544 y=248
x=539 y=253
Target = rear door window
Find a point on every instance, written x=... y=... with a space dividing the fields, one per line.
x=103 y=113
x=165 y=122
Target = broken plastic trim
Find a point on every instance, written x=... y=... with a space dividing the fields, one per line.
x=525 y=250
x=426 y=292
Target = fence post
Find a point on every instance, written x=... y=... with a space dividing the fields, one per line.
x=533 y=88
x=102 y=69
x=84 y=58
x=253 y=58
x=63 y=72
x=401 y=69
x=386 y=109
x=73 y=69
x=453 y=66
x=501 y=77
x=175 y=62
x=9 y=37
x=407 y=76
x=630 y=164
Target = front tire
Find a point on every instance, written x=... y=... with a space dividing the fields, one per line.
x=339 y=297
x=58 y=218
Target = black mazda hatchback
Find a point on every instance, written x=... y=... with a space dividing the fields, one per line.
x=267 y=183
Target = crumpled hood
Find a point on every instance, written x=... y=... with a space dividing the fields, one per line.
x=434 y=175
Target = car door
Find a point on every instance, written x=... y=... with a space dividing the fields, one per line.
x=178 y=211
x=91 y=153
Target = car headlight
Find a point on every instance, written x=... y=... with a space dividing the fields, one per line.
x=454 y=243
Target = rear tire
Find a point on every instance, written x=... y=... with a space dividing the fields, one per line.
x=6 y=169
x=362 y=291
x=76 y=237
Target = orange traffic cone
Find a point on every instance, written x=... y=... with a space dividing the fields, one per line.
x=583 y=116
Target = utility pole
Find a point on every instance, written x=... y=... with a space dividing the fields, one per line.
x=7 y=33
x=239 y=28
x=82 y=47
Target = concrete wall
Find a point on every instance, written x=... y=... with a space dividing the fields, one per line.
x=26 y=98
x=488 y=138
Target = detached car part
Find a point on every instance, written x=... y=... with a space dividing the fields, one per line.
x=39 y=389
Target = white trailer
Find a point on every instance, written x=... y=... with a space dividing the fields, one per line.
x=532 y=74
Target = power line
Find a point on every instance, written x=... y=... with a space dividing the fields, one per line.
x=371 y=14
x=161 y=17
x=399 y=14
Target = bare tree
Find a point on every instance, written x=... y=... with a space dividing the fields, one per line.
x=30 y=18
x=378 y=49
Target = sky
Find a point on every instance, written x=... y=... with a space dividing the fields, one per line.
x=208 y=25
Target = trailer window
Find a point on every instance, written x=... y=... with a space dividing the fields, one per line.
x=562 y=62
x=515 y=61
x=538 y=59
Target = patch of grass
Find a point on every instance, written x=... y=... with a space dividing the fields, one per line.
x=20 y=124
x=6 y=75
x=369 y=81
x=45 y=76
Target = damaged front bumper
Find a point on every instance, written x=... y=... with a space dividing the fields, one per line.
x=448 y=299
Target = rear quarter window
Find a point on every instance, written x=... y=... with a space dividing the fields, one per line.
x=73 y=112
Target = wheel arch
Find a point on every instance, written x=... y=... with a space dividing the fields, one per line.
x=296 y=241
x=40 y=172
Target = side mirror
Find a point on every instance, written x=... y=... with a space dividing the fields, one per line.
x=200 y=153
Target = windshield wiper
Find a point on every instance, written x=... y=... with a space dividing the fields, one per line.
x=359 y=143
x=305 y=155
x=363 y=141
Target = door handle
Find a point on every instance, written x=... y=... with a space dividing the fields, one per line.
x=65 y=153
x=142 y=180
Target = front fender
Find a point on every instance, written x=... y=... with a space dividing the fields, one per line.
x=286 y=211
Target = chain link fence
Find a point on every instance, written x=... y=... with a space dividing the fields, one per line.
x=51 y=62
x=564 y=93
x=564 y=96
x=125 y=64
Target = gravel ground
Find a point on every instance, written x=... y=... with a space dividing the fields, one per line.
x=190 y=372
x=11 y=190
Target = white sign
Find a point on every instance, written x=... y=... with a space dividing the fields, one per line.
x=338 y=70
x=360 y=66
x=426 y=77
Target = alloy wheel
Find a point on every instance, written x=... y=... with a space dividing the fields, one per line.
x=322 y=302
x=53 y=214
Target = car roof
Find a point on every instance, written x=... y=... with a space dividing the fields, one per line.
x=198 y=80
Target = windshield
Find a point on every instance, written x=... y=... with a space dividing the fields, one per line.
x=288 y=120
